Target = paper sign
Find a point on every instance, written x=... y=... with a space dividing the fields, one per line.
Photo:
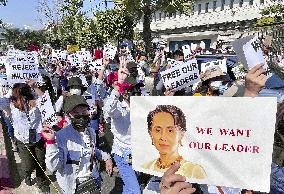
x=220 y=63
x=173 y=62
x=22 y=66
x=96 y=65
x=253 y=53
x=186 y=51
x=238 y=48
x=47 y=111
x=215 y=145
x=181 y=76
x=109 y=51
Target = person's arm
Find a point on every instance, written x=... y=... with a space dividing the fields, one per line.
x=105 y=157
x=33 y=85
x=54 y=156
x=255 y=81
x=102 y=71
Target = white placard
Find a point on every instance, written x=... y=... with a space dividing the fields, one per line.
x=109 y=51
x=47 y=111
x=186 y=51
x=22 y=66
x=253 y=53
x=181 y=76
x=218 y=146
x=220 y=63
x=96 y=65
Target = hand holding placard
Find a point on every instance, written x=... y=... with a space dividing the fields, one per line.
x=172 y=183
x=255 y=81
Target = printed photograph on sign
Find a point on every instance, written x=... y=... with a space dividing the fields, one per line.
x=213 y=144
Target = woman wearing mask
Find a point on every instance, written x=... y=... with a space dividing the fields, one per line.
x=27 y=123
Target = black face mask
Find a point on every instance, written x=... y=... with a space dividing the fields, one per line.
x=80 y=121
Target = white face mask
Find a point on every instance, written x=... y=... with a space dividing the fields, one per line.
x=75 y=91
x=215 y=85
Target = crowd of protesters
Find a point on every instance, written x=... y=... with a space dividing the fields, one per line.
x=71 y=149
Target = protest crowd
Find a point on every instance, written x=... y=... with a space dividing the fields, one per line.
x=68 y=113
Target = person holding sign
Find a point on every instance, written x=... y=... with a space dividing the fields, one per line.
x=166 y=126
x=27 y=123
x=73 y=152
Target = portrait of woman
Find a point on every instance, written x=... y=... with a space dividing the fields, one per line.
x=166 y=127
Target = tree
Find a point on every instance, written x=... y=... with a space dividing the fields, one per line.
x=114 y=24
x=23 y=39
x=143 y=9
x=272 y=15
x=3 y=2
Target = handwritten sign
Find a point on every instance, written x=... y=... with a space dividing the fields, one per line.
x=181 y=76
x=254 y=55
x=221 y=63
x=186 y=51
x=22 y=66
x=215 y=145
x=96 y=65
x=109 y=51
x=48 y=114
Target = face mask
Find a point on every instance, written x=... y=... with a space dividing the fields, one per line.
x=215 y=85
x=80 y=122
x=75 y=91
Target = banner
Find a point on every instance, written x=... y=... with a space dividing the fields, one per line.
x=181 y=76
x=22 y=66
x=215 y=145
x=47 y=111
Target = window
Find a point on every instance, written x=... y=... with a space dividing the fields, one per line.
x=214 y=5
x=175 y=15
x=206 y=7
x=223 y=4
x=250 y=2
x=199 y=8
x=241 y=3
x=231 y=4
x=160 y=16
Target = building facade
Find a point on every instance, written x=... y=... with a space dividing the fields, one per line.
x=212 y=23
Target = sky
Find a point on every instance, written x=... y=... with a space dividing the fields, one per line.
x=22 y=13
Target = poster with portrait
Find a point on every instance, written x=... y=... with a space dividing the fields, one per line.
x=218 y=141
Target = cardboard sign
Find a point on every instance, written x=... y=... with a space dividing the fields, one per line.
x=22 y=66
x=47 y=111
x=221 y=63
x=181 y=76
x=215 y=145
